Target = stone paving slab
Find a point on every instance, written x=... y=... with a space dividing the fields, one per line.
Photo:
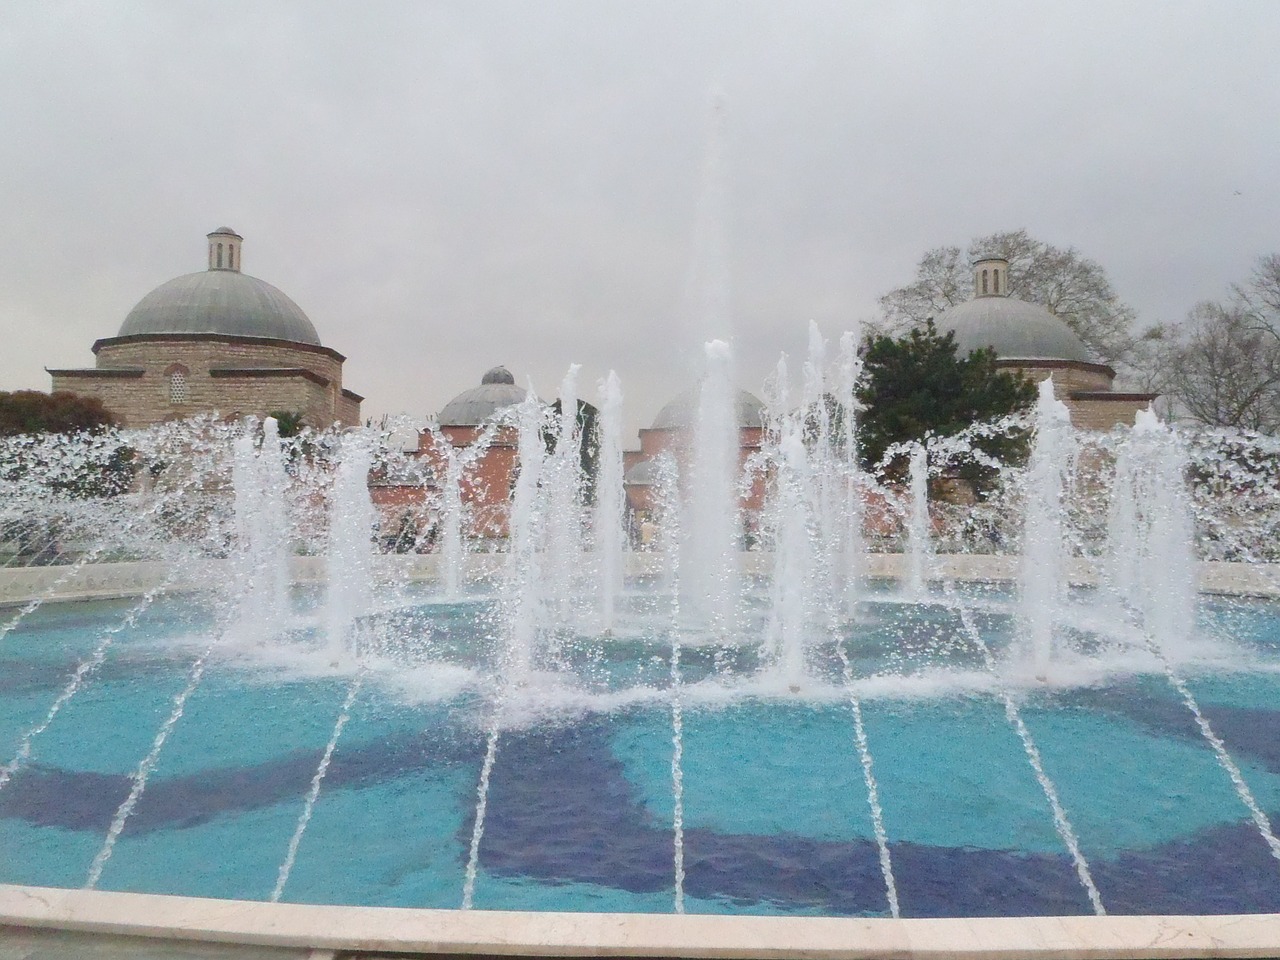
x=113 y=921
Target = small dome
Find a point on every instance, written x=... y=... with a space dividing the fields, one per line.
x=1017 y=330
x=642 y=474
x=498 y=375
x=220 y=302
x=226 y=232
x=497 y=391
x=681 y=412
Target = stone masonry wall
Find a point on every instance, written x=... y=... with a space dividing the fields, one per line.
x=139 y=401
x=348 y=412
x=1066 y=379
x=207 y=354
x=1095 y=414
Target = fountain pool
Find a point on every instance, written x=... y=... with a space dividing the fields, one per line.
x=580 y=801
x=280 y=711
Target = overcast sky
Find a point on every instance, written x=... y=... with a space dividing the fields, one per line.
x=444 y=187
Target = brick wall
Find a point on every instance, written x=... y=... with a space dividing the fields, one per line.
x=486 y=485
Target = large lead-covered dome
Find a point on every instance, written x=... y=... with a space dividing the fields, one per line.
x=1015 y=329
x=220 y=300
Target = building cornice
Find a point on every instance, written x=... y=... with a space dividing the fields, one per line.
x=253 y=373
x=104 y=373
x=215 y=338
x=1109 y=395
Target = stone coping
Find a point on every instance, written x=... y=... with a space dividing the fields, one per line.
x=354 y=931
x=100 y=581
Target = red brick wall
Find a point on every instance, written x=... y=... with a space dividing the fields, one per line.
x=486 y=485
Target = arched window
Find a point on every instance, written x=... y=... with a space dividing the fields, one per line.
x=995 y=281
x=984 y=281
x=219 y=256
x=178 y=385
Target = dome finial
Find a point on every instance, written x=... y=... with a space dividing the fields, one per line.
x=224 y=249
x=991 y=277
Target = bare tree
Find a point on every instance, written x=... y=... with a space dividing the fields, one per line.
x=1069 y=285
x=1221 y=366
x=1261 y=294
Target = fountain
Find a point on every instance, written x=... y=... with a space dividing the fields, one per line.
x=899 y=719
x=1047 y=474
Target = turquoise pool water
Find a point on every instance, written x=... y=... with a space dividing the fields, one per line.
x=580 y=805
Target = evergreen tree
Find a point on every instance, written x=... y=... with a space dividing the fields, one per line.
x=289 y=423
x=589 y=452
x=916 y=385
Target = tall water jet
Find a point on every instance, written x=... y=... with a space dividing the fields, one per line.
x=853 y=541
x=918 y=542
x=823 y=467
x=1041 y=579
x=667 y=490
x=608 y=525
x=524 y=533
x=562 y=481
x=711 y=534
x=793 y=570
x=450 y=518
x=776 y=420
x=1150 y=534
x=352 y=522
x=814 y=396
x=261 y=560
x=707 y=293
x=667 y=498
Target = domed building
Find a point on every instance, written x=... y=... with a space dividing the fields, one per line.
x=488 y=477
x=218 y=341
x=1030 y=340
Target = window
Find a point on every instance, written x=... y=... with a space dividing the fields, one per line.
x=984 y=281
x=995 y=281
x=219 y=256
x=178 y=386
